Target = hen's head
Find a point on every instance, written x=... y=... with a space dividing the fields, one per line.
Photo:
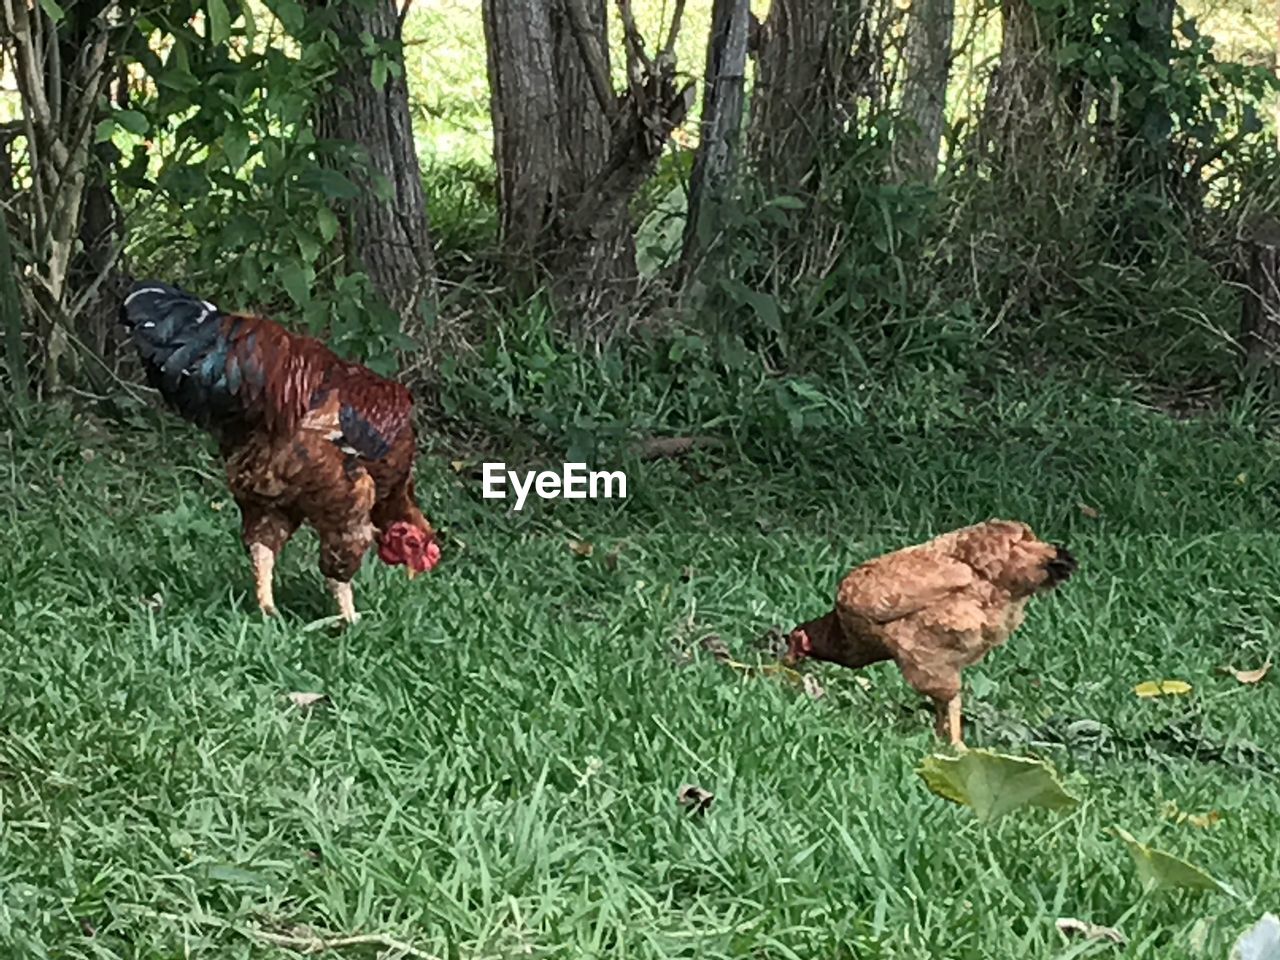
x=799 y=645
x=410 y=545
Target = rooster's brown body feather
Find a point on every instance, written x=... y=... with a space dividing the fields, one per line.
x=306 y=436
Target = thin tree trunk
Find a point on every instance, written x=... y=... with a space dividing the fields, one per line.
x=1145 y=130
x=924 y=93
x=387 y=231
x=571 y=153
x=803 y=78
x=521 y=47
x=1020 y=113
x=15 y=355
x=1260 y=314
x=722 y=102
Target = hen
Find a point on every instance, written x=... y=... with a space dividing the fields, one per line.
x=306 y=436
x=936 y=608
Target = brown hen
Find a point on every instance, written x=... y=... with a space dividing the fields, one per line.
x=936 y=608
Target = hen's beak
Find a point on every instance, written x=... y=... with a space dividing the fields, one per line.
x=410 y=571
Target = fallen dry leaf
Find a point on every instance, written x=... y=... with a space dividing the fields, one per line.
x=1162 y=688
x=458 y=465
x=697 y=800
x=1071 y=927
x=1251 y=676
x=1090 y=512
x=1170 y=811
x=812 y=687
x=582 y=548
x=863 y=682
x=217 y=505
x=1201 y=820
x=305 y=701
x=88 y=455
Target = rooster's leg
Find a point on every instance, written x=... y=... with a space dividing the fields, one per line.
x=263 y=559
x=342 y=592
x=264 y=532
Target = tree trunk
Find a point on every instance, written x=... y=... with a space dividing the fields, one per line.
x=61 y=69
x=805 y=73
x=1260 y=313
x=387 y=231
x=1020 y=118
x=571 y=153
x=924 y=92
x=15 y=354
x=1145 y=130
x=722 y=100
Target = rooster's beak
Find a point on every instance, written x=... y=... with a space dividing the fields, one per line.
x=410 y=571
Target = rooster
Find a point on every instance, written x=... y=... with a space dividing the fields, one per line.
x=936 y=608
x=305 y=435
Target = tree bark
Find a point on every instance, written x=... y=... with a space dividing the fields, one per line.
x=61 y=69
x=571 y=153
x=1260 y=313
x=714 y=162
x=387 y=231
x=805 y=71
x=1145 y=130
x=1019 y=116
x=924 y=93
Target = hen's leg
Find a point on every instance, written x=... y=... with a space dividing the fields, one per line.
x=940 y=682
x=265 y=532
x=950 y=721
x=345 y=537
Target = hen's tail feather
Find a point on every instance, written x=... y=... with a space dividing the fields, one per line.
x=1060 y=567
x=214 y=367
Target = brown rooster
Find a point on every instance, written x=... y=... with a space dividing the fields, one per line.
x=306 y=436
x=936 y=608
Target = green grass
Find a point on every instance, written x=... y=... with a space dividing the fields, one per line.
x=496 y=776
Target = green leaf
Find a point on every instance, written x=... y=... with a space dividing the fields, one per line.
x=296 y=280
x=52 y=11
x=383 y=188
x=235 y=144
x=993 y=784
x=104 y=130
x=219 y=22
x=379 y=72
x=1158 y=870
x=250 y=24
x=307 y=244
x=327 y=223
x=331 y=183
x=133 y=121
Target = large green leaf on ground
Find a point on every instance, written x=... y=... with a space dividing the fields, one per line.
x=1158 y=870
x=993 y=784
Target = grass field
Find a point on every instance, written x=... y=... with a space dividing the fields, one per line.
x=496 y=775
